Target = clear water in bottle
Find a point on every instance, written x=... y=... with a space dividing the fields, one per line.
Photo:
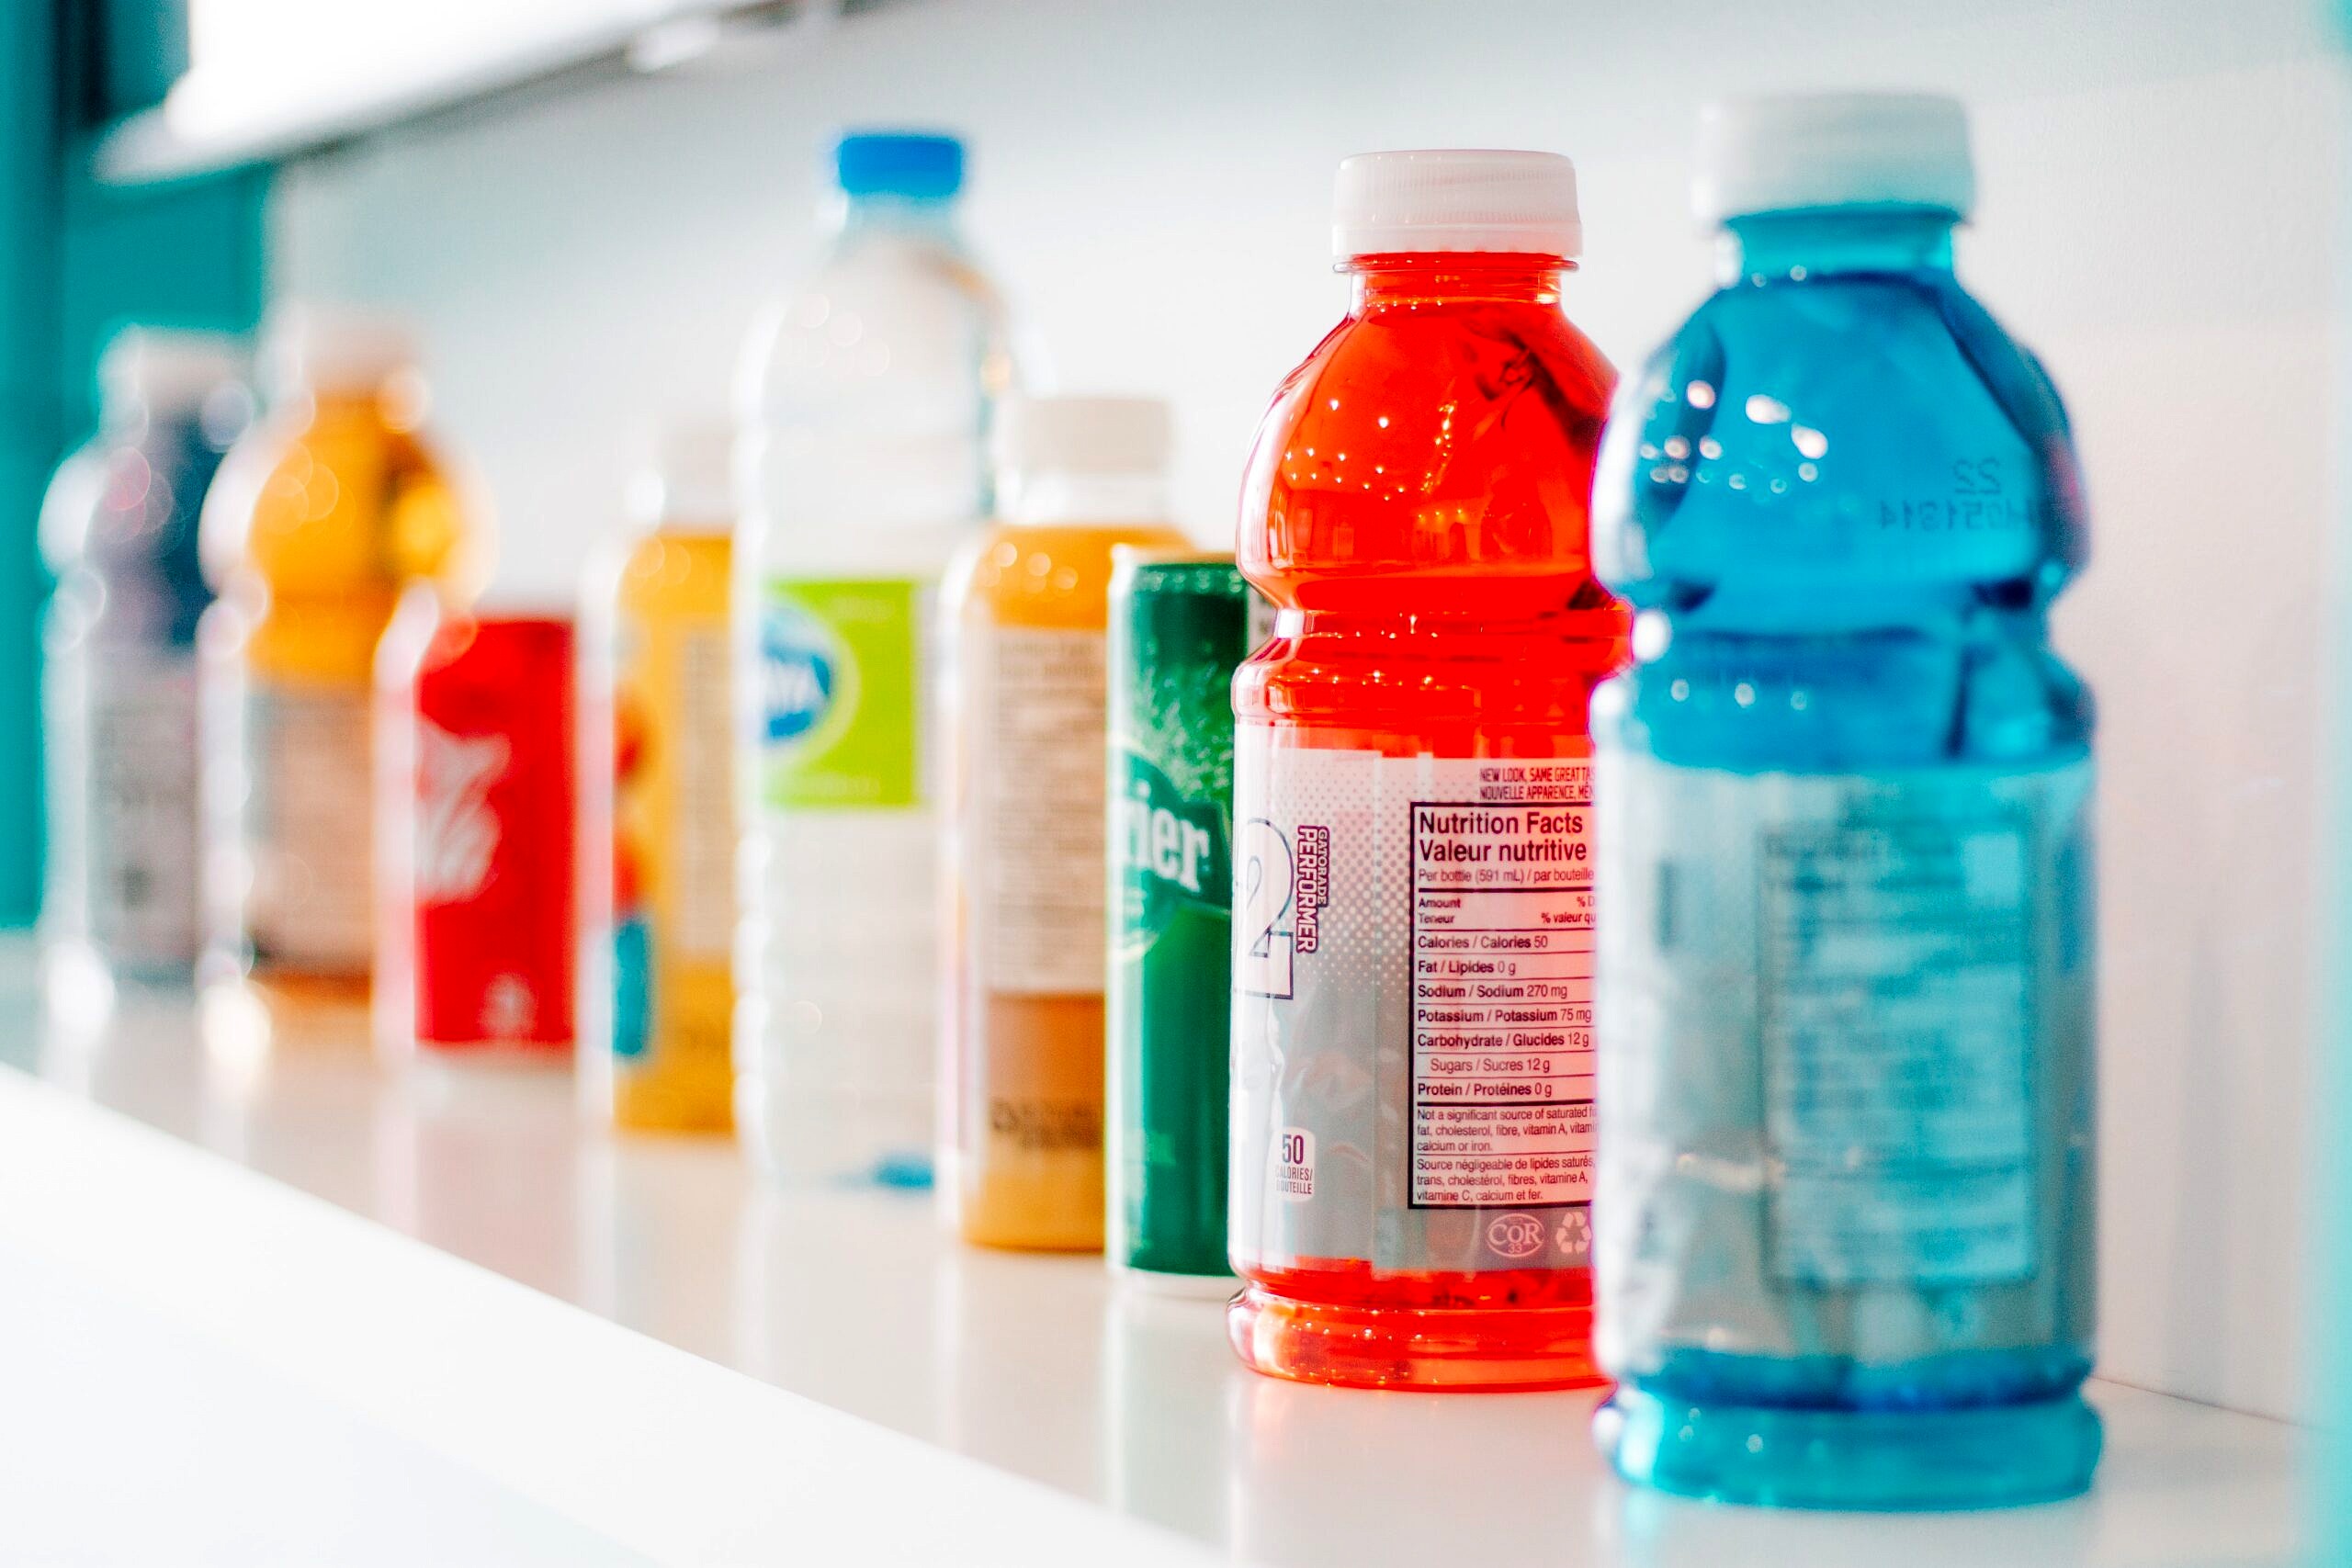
x=865 y=406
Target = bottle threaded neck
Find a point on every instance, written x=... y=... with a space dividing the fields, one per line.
x=1774 y=247
x=1441 y=277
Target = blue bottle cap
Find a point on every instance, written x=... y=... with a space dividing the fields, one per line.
x=918 y=165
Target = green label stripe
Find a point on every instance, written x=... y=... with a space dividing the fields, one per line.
x=841 y=700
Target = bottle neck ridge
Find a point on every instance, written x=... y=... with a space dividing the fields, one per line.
x=1772 y=247
x=932 y=217
x=1425 y=278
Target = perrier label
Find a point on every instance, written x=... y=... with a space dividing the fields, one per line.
x=1179 y=624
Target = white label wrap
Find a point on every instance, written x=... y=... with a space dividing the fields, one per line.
x=144 y=818
x=1037 y=744
x=703 y=824
x=1412 y=1036
x=1845 y=1040
x=310 y=824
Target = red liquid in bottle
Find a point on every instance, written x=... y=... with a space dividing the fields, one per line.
x=1412 y=755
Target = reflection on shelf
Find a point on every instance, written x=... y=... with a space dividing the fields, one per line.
x=1043 y=1366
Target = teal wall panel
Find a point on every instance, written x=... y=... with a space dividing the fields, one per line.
x=78 y=259
x=32 y=414
x=187 y=254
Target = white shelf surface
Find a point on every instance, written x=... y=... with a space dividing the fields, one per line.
x=351 y=1314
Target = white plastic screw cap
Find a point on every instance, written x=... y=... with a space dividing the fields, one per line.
x=1083 y=435
x=168 y=368
x=690 y=478
x=1789 y=152
x=340 y=349
x=1515 y=202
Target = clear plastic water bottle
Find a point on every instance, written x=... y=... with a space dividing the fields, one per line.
x=118 y=533
x=1845 y=1206
x=865 y=405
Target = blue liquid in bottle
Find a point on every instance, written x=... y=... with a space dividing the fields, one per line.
x=1845 y=1189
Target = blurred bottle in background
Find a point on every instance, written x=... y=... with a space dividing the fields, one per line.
x=657 y=821
x=2328 y=1485
x=1846 y=1173
x=119 y=533
x=322 y=515
x=1027 y=612
x=476 y=843
x=865 y=405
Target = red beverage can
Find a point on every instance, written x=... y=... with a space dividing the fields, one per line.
x=477 y=832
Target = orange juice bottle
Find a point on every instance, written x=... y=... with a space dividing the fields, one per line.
x=321 y=516
x=657 y=821
x=1027 y=609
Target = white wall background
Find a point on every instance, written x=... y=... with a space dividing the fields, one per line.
x=2160 y=219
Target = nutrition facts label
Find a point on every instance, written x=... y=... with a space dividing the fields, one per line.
x=1897 y=989
x=1038 y=714
x=1501 y=1006
x=310 y=897
x=705 y=815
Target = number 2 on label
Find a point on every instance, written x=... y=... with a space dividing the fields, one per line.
x=1264 y=878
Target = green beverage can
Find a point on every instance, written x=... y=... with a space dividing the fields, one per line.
x=1180 y=624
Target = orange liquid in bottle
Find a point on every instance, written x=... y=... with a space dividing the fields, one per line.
x=320 y=518
x=1416 y=508
x=664 y=906
x=1030 y=605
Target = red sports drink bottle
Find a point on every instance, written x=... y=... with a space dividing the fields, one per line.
x=1412 y=1088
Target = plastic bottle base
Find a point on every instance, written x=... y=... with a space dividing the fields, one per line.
x=325 y=989
x=897 y=1172
x=1464 y=1349
x=1010 y=1234
x=824 y=1135
x=1990 y=1457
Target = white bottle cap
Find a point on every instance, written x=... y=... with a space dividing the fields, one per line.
x=691 y=476
x=169 y=369
x=336 y=348
x=1792 y=151
x=1083 y=435
x=1523 y=203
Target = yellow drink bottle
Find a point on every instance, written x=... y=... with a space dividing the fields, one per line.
x=1027 y=609
x=321 y=516
x=657 y=819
